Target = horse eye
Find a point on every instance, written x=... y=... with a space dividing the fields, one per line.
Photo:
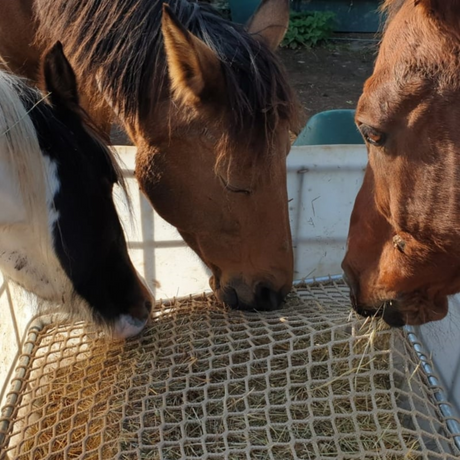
x=372 y=136
x=233 y=189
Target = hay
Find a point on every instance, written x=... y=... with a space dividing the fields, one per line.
x=205 y=382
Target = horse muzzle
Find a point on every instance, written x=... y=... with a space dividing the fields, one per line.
x=413 y=308
x=398 y=313
x=240 y=296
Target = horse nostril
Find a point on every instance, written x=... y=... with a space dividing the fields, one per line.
x=266 y=298
x=230 y=297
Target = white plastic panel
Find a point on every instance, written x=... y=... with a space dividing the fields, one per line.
x=158 y=252
x=323 y=181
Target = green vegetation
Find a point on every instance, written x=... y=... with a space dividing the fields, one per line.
x=308 y=29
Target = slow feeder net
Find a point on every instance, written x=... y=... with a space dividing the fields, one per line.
x=204 y=382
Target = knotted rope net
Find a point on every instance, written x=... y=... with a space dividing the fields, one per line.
x=205 y=382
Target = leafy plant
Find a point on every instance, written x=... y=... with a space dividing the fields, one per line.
x=308 y=29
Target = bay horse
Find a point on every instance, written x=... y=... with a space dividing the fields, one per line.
x=403 y=256
x=209 y=108
x=60 y=235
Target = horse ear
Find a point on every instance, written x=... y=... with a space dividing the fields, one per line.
x=194 y=69
x=59 y=77
x=270 y=22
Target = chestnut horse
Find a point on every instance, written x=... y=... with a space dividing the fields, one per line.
x=60 y=235
x=208 y=107
x=403 y=256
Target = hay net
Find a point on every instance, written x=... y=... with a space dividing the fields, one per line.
x=204 y=382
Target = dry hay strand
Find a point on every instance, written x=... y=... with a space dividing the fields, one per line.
x=71 y=410
x=206 y=382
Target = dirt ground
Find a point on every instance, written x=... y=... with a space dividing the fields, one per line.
x=326 y=77
x=332 y=76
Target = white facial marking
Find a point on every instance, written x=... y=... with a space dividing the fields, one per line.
x=127 y=326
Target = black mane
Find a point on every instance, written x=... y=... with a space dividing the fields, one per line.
x=120 y=42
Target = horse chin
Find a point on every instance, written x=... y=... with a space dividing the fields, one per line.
x=423 y=310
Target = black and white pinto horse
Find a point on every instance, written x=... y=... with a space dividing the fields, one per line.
x=60 y=235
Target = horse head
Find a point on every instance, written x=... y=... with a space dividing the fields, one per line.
x=403 y=256
x=66 y=243
x=214 y=163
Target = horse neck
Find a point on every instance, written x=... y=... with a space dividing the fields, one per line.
x=27 y=220
x=27 y=217
x=29 y=263
x=31 y=185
